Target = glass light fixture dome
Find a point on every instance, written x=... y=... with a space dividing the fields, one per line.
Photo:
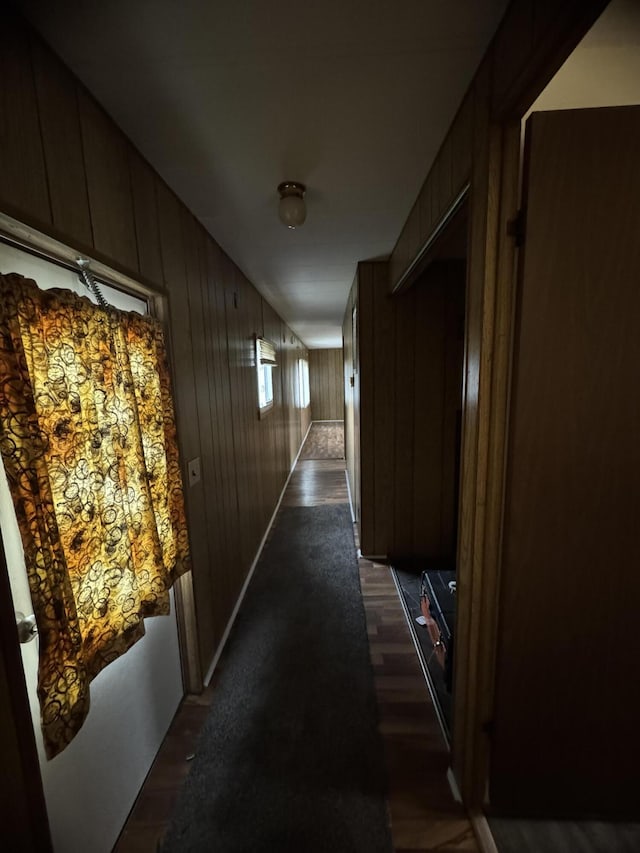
x=292 y=209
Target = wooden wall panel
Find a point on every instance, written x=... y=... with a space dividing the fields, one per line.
x=326 y=384
x=534 y=39
x=62 y=140
x=375 y=402
x=367 y=408
x=225 y=562
x=411 y=375
x=175 y=274
x=531 y=43
x=244 y=316
x=385 y=399
x=108 y=184
x=423 y=406
x=439 y=313
x=211 y=605
x=478 y=350
x=145 y=211
x=403 y=353
x=461 y=146
x=351 y=379
x=23 y=181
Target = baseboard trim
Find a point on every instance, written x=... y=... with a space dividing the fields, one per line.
x=353 y=515
x=451 y=779
x=482 y=831
x=245 y=586
x=421 y=661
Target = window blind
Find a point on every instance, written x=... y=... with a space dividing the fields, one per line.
x=266 y=352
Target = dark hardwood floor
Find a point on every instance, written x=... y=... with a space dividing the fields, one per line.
x=424 y=816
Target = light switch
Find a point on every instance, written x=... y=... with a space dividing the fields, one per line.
x=193 y=470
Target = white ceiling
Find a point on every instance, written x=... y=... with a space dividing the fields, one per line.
x=229 y=97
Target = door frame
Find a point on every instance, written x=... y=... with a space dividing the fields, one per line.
x=491 y=288
x=488 y=349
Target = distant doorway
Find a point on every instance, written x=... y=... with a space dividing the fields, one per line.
x=430 y=364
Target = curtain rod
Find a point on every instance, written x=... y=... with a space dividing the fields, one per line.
x=81 y=266
x=15 y=233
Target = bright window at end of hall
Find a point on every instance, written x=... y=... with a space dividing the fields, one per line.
x=265 y=362
x=303 y=383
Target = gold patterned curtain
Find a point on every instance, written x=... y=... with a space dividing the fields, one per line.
x=88 y=439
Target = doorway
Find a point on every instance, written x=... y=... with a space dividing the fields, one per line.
x=430 y=318
x=563 y=738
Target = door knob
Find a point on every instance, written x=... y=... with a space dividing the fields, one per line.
x=27 y=627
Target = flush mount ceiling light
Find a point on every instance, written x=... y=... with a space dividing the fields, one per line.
x=291 y=209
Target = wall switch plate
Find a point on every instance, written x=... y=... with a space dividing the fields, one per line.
x=193 y=470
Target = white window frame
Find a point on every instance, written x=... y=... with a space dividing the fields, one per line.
x=304 y=395
x=265 y=353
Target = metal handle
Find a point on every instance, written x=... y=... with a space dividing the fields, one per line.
x=27 y=627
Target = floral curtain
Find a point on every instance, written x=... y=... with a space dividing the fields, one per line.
x=88 y=439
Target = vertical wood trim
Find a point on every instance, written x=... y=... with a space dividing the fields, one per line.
x=108 y=183
x=62 y=145
x=23 y=181
x=480 y=340
x=326 y=385
x=145 y=212
x=384 y=367
x=425 y=408
x=403 y=467
x=531 y=43
x=367 y=408
x=185 y=602
x=204 y=520
x=174 y=271
x=495 y=412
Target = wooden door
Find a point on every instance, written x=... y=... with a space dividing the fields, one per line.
x=567 y=704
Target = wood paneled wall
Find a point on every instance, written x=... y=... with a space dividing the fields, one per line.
x=410 y=401
x=67 y=170
x=326 y=384
x=533 y=40
x=481 y=151
x=351 y=384
x=377 y=370
x=429 y=339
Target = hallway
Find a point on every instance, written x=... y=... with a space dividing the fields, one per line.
x=424 y=816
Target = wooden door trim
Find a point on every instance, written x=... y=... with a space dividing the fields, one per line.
x=25 y=824
x=483 y=457
x=424 y=254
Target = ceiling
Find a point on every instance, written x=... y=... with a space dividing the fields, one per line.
x=228 y=98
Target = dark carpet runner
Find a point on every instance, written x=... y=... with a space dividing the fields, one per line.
x=290 y=758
